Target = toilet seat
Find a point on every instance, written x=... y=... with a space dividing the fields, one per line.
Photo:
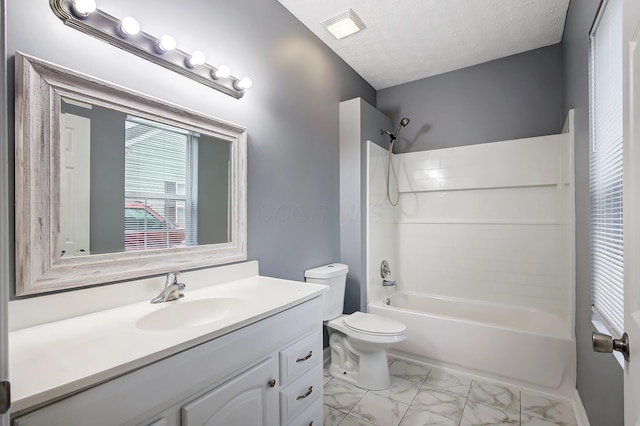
x=373 y=324
x=397 y=332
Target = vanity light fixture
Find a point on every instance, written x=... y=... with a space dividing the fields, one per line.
x=83 y=8
x=166 y=44
x=243 y=83
x=344 y=25
x=129 y=27
x=196 y=58
x=83 y=15
x=222 y=71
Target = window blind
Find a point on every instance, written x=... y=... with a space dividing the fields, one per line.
x=158 y=186
x=605 y=164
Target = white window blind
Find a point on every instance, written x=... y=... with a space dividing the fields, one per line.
x=605 y=161
x=159 y=204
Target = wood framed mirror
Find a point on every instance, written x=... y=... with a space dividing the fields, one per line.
x=113 y=185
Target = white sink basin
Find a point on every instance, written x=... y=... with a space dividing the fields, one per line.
x=186 y=314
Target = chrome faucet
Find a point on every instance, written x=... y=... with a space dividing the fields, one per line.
x=388 y=283
x=172 y=289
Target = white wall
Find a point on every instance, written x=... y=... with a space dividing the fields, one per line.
x=488 y=222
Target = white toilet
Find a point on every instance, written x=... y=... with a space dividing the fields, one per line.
x=358 y=341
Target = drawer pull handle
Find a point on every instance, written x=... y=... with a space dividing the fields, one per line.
x=272 y=383
x=306 y=394
x=305 y=358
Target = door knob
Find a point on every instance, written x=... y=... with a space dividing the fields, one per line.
x=605 y=343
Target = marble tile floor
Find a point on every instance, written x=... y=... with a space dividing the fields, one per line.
x=421 y=396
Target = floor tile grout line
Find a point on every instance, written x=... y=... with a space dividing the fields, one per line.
x=354 y=405
x=414 y=396
x=466 y=399
x=463 y=407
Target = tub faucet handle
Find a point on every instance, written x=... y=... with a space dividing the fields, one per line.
x=385 y=270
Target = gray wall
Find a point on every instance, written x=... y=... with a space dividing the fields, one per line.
x=291 y=112
x=106 y=229
x=600 y=382
x=213 y=177
x=515 y=97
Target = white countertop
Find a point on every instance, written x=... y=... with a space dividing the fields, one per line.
x=54 y=359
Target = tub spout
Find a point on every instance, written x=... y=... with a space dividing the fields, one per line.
x=388 y=283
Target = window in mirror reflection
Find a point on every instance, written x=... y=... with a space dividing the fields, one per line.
x=160 y=165
x=130 y=184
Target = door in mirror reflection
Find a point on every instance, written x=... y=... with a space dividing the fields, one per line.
x=130 y=184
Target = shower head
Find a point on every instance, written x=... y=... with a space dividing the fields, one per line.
x=394 y=136
x=403 y=123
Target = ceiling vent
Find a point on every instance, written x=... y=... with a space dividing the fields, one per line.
x=344 y=25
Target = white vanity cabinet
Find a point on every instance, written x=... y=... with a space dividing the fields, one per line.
x=265 y=373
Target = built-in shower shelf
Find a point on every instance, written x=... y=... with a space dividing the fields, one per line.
x=481 y=187
x=447 y=221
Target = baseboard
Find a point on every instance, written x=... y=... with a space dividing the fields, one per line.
x=578 y=409
x=326 y=356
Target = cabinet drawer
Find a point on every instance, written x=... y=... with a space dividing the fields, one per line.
x=312 y=416
x=301 y=394
x=300 y=357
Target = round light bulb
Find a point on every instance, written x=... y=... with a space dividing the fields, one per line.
x=223 y=71
x=83 y=8
x=166 y=44
x=197 y=58
x=129 y=26
x=243 y=83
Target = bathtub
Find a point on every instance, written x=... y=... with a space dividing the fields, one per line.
x=525 y=347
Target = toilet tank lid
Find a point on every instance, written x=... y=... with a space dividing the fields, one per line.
x=327 y=271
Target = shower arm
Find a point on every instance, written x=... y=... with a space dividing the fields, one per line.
x=392 y=136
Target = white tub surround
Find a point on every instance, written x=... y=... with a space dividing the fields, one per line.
x=51 y=360
x=490 y=222
x=522 y=346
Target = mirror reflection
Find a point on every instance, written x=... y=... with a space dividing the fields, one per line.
x=131 y=184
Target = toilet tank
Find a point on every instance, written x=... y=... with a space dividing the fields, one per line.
x=335 y=276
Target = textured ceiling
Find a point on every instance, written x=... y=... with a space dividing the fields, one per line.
x=407 y=40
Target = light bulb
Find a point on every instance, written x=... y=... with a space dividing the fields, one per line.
x=197 y=58
x=129 y=26
x=83 y=8
x=166 y=44
x=243 y=83
x=223 y=71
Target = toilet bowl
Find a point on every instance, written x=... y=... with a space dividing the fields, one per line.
x=358 y=344
x=358 y=341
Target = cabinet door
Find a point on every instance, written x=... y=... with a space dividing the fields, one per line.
x=247 y=399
